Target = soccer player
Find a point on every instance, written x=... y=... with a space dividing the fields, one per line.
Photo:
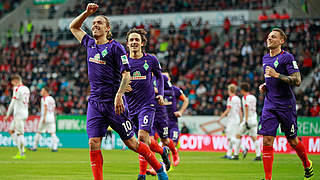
x=172 y=97
x=250 y=123
x=109 y=76
x=141 y=99
x=160 y=122
x=281 y=72
x=47 y=121
x=19 y=107
x=234 y=114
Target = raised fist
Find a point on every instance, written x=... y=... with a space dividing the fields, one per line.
x=92 y=8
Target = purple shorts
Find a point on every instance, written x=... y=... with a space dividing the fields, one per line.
x=101 y=115
x=160 y=122
x=270 y=120
x=173 y=130
x=143 y=120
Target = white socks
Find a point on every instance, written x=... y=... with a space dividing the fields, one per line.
x=36 y=141
x=14 y=138
x=55 y=141
x=20 y=144
x=257 y=148
x=237 y=146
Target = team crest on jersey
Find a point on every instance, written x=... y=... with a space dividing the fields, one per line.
x=96 y=59
x=276 y=63
x=104 y=52
x=146 y=66
x=137 y=76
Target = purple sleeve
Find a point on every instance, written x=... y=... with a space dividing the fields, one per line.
x=87 y=40
x=177 y=91
x=121 y=58
x=156 y=69
x=291 y=64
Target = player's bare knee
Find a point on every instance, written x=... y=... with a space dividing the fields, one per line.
x=254 y=138
x=11 y=132
x=94 y=144
x=165 y=141
x=238 y=136
x=293 y=142
x=132 y=143
x=268 y=140
x=143 y=136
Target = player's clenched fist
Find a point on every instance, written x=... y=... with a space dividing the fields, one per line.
x=262 y=88
x=92 y=8
x=271 y=72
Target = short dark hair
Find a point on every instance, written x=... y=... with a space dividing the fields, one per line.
x=16 y=77
x=245 y=86
x=282 y=33
x=141 y=32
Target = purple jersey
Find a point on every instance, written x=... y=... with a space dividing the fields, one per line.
x=142 y=93
x=106 y=62
x=174 y=98
x=279 y=94
x=156 y=83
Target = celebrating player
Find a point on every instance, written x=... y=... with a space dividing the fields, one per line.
x=47 y=121
x=107 y=62
x=161 y=123
x=172 y=98
x=141 y=99
x=234 y=114
x=19 y=107
x=281 y=72
x=250 y=123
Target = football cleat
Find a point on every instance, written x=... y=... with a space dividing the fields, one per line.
x=151 y=171
x=32 y=149
x=226 y=157
x=18 y=156
x=165 y=157
x=258 y=158
x=141 y=177
x=308 y=172
x=161 y=173
x=54 y=150
x=235 y=157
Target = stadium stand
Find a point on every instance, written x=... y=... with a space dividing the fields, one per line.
x=7 y=6
x=116 y=7
x=201 y=66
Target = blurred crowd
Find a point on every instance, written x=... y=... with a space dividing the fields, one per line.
x=7 y=6
x=202 y=60
x=123 y=7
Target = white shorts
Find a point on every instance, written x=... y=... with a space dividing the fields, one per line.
x=17 y=125
x=252 y=131
x=232 y=130
x=49 y=127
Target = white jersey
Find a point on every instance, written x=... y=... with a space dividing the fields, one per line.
x=234 y=102
x=250 y=101
x=50 y=103
x=20 y=102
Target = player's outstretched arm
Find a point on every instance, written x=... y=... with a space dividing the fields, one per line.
x=224 y=114
x=75 y=25
x=118 y=103
x=185 y=103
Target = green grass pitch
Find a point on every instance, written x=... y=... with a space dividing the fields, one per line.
x=73 y=164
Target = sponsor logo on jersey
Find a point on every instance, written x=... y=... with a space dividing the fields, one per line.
x=137 y=76
x=96 y=59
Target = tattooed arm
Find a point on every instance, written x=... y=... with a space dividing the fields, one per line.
x=294 y=79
